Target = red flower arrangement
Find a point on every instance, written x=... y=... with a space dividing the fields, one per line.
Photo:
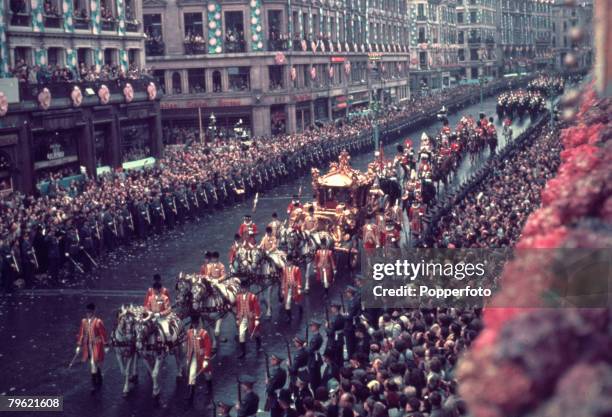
x=532 y=361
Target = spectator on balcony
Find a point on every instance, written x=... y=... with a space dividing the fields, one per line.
x=18 y=6
x=50 y=9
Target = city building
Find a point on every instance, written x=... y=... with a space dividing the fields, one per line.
x=69 y=33
x=277 y=66
x=477 y=36
x=565 y=22
x=526 y=35
x=57 y=115
x=434 y=62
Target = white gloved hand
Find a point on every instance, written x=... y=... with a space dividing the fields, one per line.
x=256 y=323
x=205 y=364
x=157 y=315
x=106 y=349
x=77 y=350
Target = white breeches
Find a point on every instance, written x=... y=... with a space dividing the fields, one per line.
x=93 y=366
x=193 y=370
x=325 y=278
x=243 y=328
x=288 y=299
x=309 y=268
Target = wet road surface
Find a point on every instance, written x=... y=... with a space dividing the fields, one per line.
x=38 y=327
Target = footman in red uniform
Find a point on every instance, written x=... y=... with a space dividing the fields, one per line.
x=91 y=342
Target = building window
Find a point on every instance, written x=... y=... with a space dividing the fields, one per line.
x=461 y=37
x=196 y=80
x=474 y=54
x=176 y=83
x=134 y=57
x=276 y=38
x=461 y=54
x=420 y=11
x=154 y=43
x=422 y=35
x=460 y=17
x=234 y=32
x=55 y=56
x=474 y=71
x=110 y=57
x=135 y=139
x=160 y=77
x=194 y=34
x=275 y=77
x=216 y=80
x=85 y=57
x=107 y=15
x=238 y=78
x=423 y=60
x=473 y=17
x=55 y=152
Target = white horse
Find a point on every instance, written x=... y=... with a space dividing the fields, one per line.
x=156 y=337
x=210 y=299
x=123 y=340
x=259 y=271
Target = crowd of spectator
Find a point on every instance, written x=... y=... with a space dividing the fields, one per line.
x=43 y=74
x=493 y=213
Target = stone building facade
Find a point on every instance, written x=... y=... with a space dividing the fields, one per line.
x=67 y=33
x=275 y=66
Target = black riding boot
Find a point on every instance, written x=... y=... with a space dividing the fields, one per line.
x=288 y=313
x=300 y=312
x=258 y=343
x=94 y=383
x=209 y=386
x=242 y=350
x=99 y=378
x=191 y=394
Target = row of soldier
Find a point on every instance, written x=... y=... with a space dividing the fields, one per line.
x=60 y=236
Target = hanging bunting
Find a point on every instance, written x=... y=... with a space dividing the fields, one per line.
x=121 y=16
x=98 y=59
x=71 y=59
x=95 y=16
x=68 y=12
x=256 y=26
x=290 y=20
x=123 y=60
x=4 y=56
x=38 y=24
x=40 y=57
x=215 y=40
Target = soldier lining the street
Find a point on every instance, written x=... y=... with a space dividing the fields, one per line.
x=275 y=382
x=249 y=405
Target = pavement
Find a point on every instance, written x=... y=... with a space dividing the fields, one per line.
x=39 y=327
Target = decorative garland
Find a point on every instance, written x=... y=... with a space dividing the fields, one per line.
x=98 y=58
x=123 y=60
x=215 y=40
x=68 y=13
x=94 y=6
x=551 y=359
x=38 y=24
x=121 y=17
x=71 y=59
x=256 y=31
x=40 y=57
x=4 y=56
